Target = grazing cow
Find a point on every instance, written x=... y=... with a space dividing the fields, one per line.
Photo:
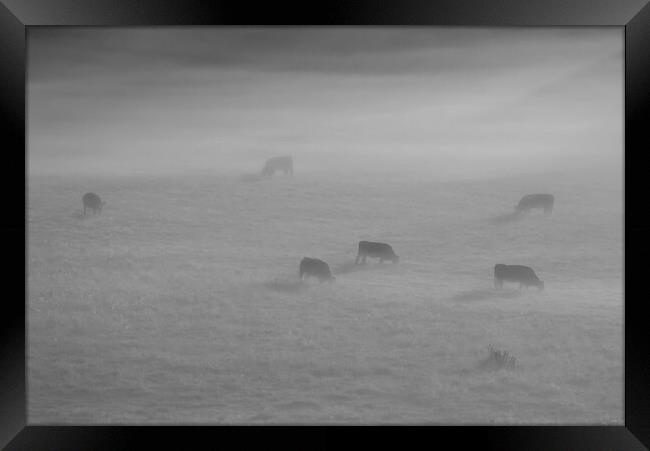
x=316 y=268
x=523 y=275
x=284 y=164
x=93 y=202
x=382 y=251
x=531 y=201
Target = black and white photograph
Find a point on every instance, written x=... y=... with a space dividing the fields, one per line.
x=325 y=225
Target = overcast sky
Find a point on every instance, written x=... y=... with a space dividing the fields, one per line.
x=441 y=101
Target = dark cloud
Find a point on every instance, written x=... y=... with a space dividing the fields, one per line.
x=70 y=52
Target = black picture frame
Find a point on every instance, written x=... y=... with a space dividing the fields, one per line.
x=17 y=16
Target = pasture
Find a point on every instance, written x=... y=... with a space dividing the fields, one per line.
x=181 y=302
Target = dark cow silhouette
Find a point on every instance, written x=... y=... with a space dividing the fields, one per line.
x=382 y=251
x=284 y=164
x=523 y=275
x=315 y=268
x=531 y=201
x=93 y=202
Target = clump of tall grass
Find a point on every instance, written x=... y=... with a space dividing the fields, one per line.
x=498 y=359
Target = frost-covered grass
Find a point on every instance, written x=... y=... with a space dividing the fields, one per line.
x=181 y=302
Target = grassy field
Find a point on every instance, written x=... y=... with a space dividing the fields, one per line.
x=181 y=303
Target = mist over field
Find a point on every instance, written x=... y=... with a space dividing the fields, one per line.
x=440 y=102
x=181 y=301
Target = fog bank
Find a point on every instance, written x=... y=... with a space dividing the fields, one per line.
x=438 y=102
